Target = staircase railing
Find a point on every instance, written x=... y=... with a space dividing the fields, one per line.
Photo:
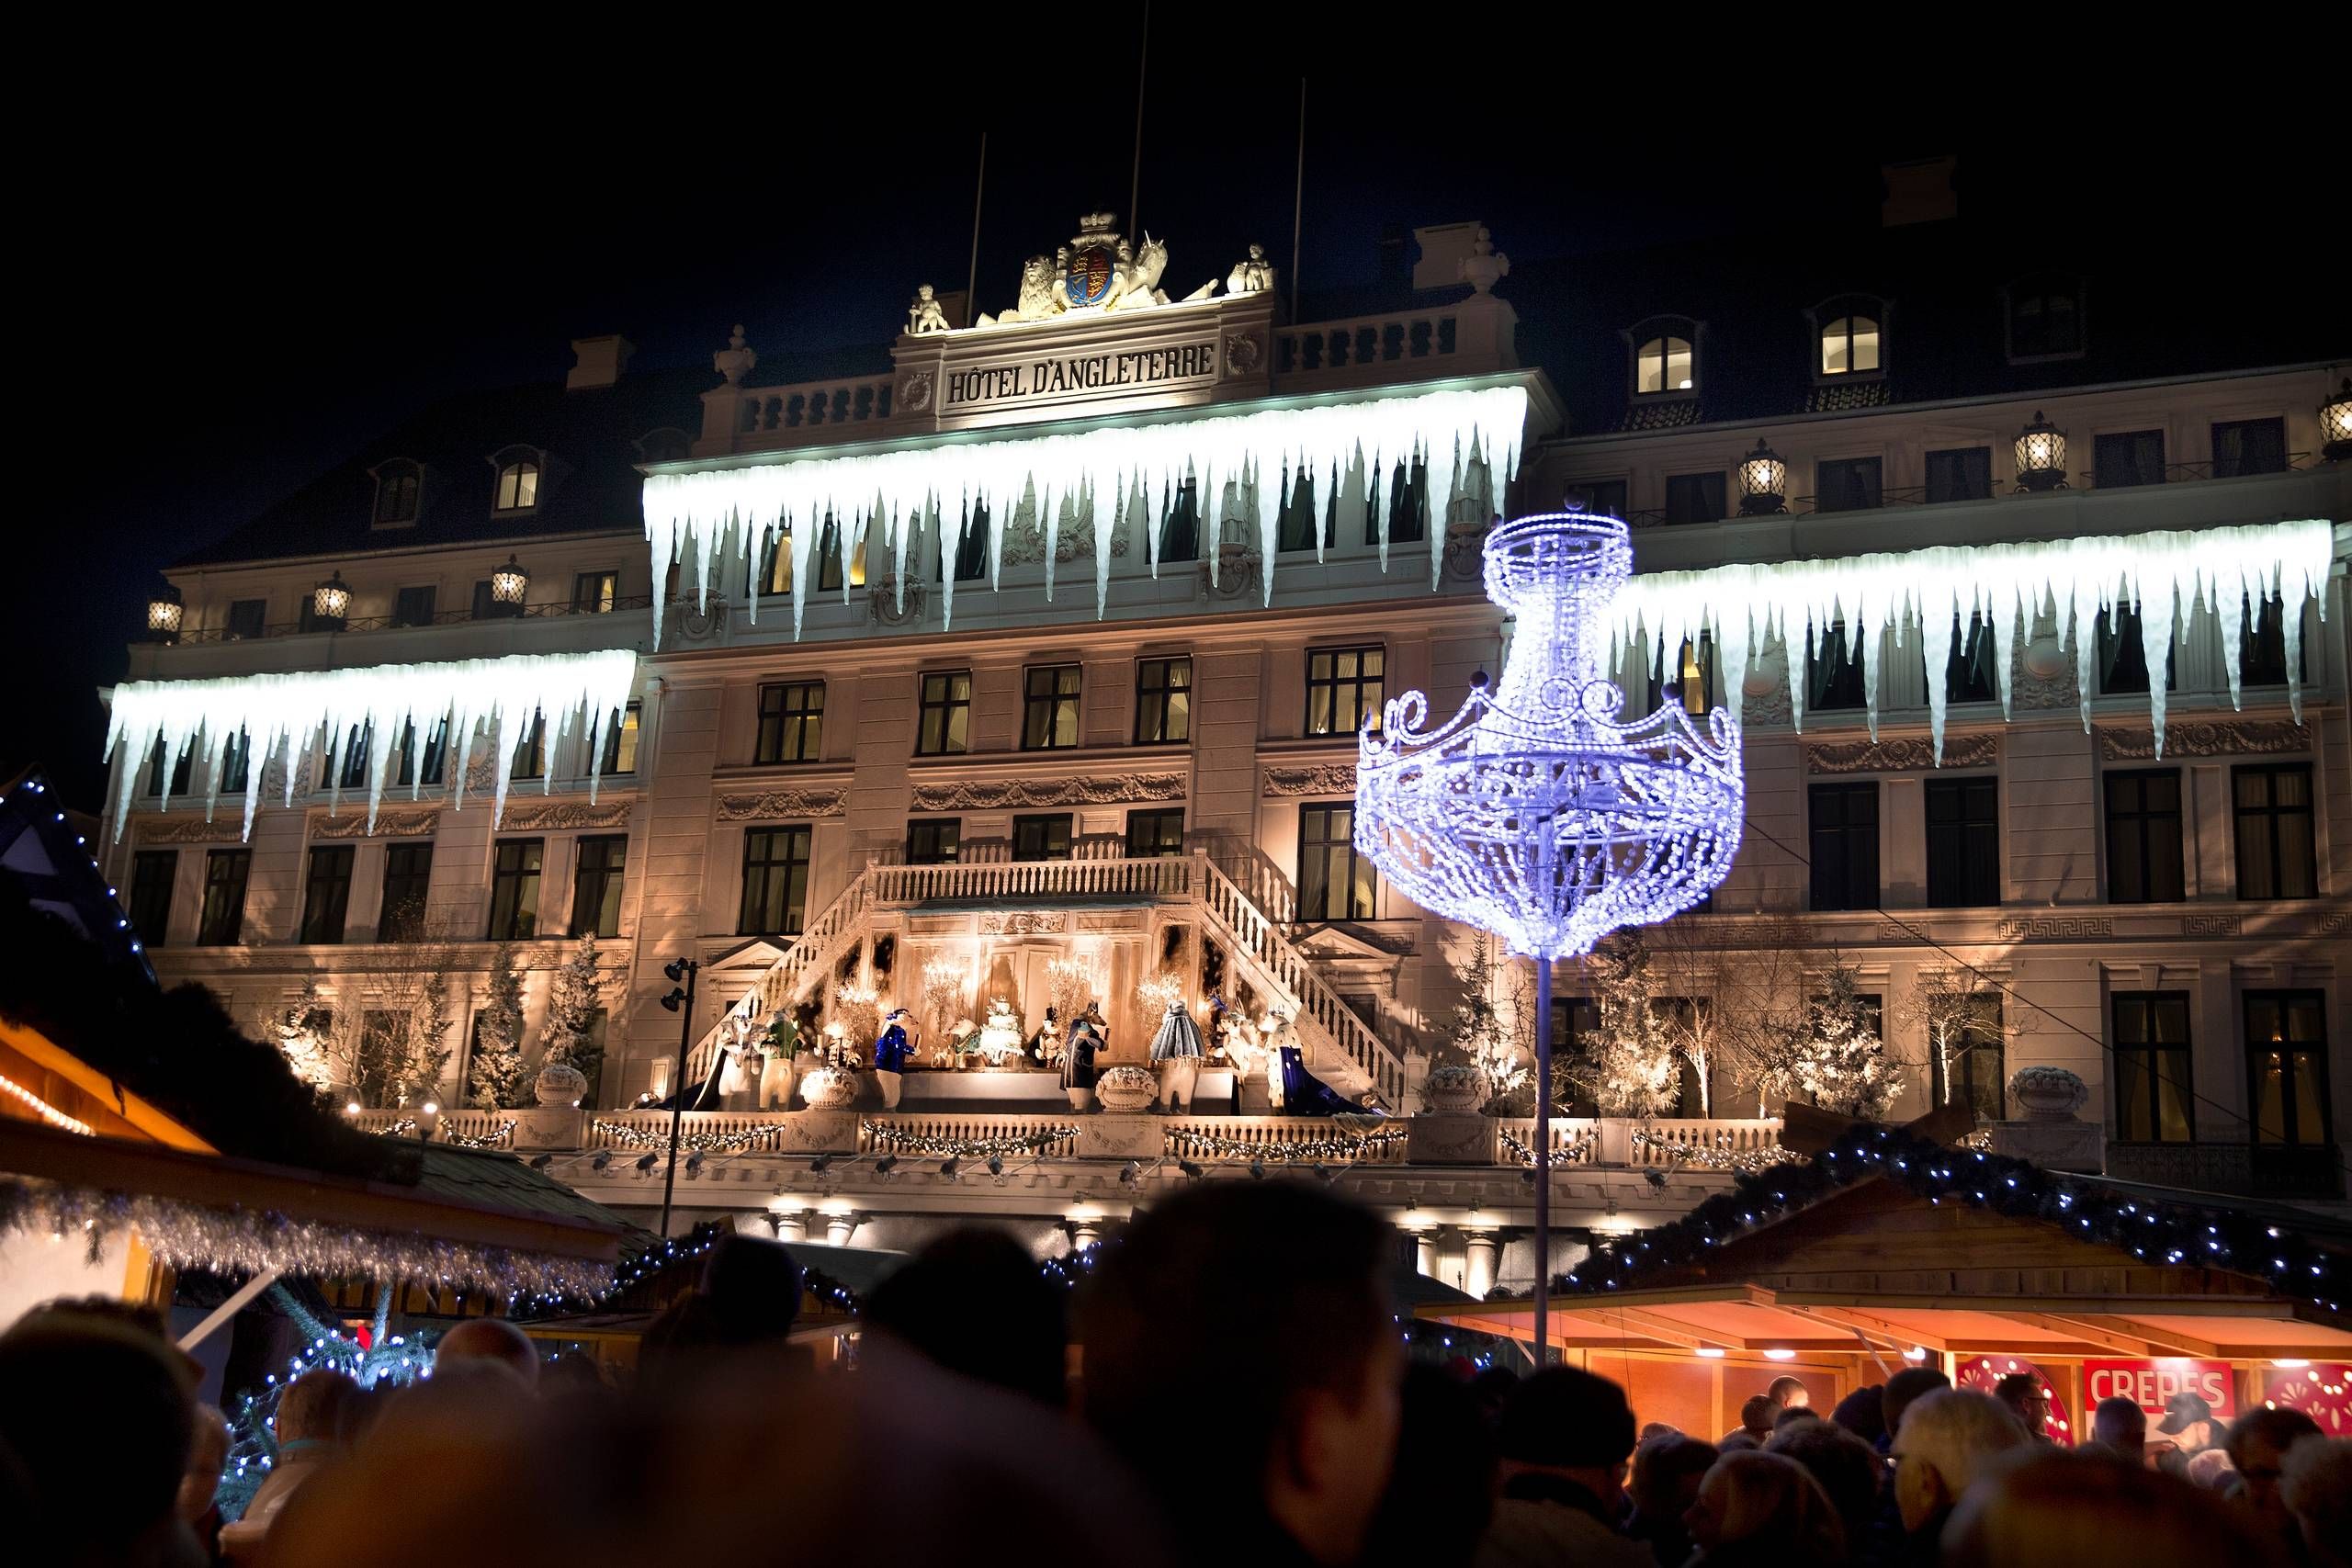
x=1157 y=876
x=816 y=947
x=1292 y=976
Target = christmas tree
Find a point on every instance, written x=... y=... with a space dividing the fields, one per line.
x=1629 y=1066
x=1478 y=1035
x=498 y=1077
x=304 y=1031
x=574 y=1000
x=1844 y=1067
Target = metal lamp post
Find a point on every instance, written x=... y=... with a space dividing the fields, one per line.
x=681 y=1000
x=1534 y=813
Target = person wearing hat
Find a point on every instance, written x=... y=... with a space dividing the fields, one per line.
x=1565 y=1435
x=1078 y=1056
x=900 y=1038
x=2189 y=1421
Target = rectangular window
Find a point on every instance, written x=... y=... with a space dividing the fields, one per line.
x=2128 y=457
x=380 y=1031
x=2152 y=1103
x=406 y=768
x=597 y=879
x=775 y=882
x=408 y=876
x=1968 y=669
x=247 y=618
x=1844 y=839
x=1971 y=1070
x=972 y=549
x=792 y=722
x=2249 y=446
x=1180 y=530
x=776 y=577
x=1041 y=837
x=183 y=770
x=2274 y=823
x=1344 y=687
x=1409 y=507
x=1961 y=473
x=1598 y=497
x=1695 y=498
x=348 y=769
x=1163 y=701
x=1963 y=842
x=152 y=872
x=828 y=560
x=944 y=727
x=931 y=841
x=1294 y=529
x=531 y=753
x=1049 y=708
x=224 y=897
x=236 y=758
x=1690 y=678
x=1832 y=676
x=2262 y=645
x=1846 y=484
x=595 y=592
x=514 y=889
x=2286 y=1044
x=2123 y=657
x=1576 y=1026
x=1334 y=882
x=2143 y=840
x=327 y=895
x=1153 y=833
x=620 y=742
x=413 y=608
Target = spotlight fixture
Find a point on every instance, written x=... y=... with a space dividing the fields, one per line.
x=351 y=1108
x=996 y=1165
x=694 y=1163
x=817 y=1167
x=430 y=1108
x=542 y=1162
x=646 y=1163
x=678 y=994
x=675 y=970
x=1129 y=1172
x=1258 y=1169
x=1325 y=1173
x=1189 y=1169
x=604 y=1158
x=885 y=1165
x=947 y=1167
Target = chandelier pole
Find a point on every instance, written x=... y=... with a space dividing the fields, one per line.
x=1542 y=1151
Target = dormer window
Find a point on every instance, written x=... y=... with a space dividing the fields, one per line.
x=397 y=485
x=518 y=485
x=1851 y=338
x=667 y=445
x=1665 y=361
x=2045 y=316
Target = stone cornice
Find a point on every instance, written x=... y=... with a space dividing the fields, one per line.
x=2204 y=738
x=1901 y=754
x=1085 y=790
x=762 y=805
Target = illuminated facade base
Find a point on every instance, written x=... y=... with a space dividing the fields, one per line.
x=311 y=713
x=1095 y=477
x=1933 y=591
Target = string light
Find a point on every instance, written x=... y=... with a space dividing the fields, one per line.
x=901 y=1141
x=628 y=1137
x=1579 y=1150
x=1684 y=1149
x=1339 y=1146
x=42 y=1109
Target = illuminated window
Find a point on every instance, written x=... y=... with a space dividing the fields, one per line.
x=1335 y=883
x=595 y=592
x=792 y=722
x=1663 y=365
x=621 y=742
x=2152 y=1103
x=514 y=889
x=1163 y=701
x=1850 y=345
x=1689 y=682
x=2286 y=1047
x=518 y=486
x=1344 y=687
x=1049 y=708
x=944 y=724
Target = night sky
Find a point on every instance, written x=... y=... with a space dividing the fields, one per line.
x=244 y=271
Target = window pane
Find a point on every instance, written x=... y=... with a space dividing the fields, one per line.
x=1865 y=344
x=1833 y=347
x=1650 y=366
x=1678 y=364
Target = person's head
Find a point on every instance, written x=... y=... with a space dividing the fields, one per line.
x=207 y=1452
x=1793 y=1415
x=1847 y=1467
x=2315 y=1483
x=1666 y=1473
x=2118 y=1423
x=1945 y=1439
x=97 y=1416
x=2020 y=1394
x=1863 y=1413
x=1492 y=1389
x=1903 y=1388
x=490 y=1341
x=1253 y=1318
x=1442 y=1489
x=1769 y=1502
x=2257 y=1445
x=752 y=1287
x=1568 y=1422
x=310 y=1410
x=974 y=1302
x=2047 y=1508
x=2189 y=1417
x=1757 y=1415
x=1787 y=1391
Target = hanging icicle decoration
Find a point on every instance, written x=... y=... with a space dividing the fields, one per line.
x=315 y=712
x=1934 y=592
x=1103 y=473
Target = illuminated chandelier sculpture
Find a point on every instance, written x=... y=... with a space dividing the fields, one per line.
x=1534 y=813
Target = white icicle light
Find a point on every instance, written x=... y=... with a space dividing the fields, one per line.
x=1262 y=453
x=2166 y=574
x=292 y=710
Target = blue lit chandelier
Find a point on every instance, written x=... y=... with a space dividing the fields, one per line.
x=1532 y=813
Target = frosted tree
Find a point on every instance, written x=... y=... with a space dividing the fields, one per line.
x=575 y=997
x=1628 y=1064
x=1478 y=1035
x=1845 y=1066
x=1956 y=1012
x=1698 y=1010
x=410 y=1010
x=498 y=1077
x=308 y=1034
x=1768 y=1025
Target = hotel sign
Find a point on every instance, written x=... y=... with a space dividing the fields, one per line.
x=1059 y=376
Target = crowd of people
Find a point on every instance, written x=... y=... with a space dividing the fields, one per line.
x=1243 y=1395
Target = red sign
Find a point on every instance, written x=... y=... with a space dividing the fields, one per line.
x=2151 y=1385
x=2322 y=1391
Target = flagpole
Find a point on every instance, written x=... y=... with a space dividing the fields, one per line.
x=972 y=277
x=1134 y=179
x=1298 y=199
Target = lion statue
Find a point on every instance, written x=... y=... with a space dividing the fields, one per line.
x=1041 y=294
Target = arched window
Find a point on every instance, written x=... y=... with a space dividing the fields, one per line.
x=2046 y=317
x=518 y=485
x=1849 y=345
x=397 y=487
x=1663 y=365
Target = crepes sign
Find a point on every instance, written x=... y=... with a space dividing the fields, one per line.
x=2152 y=1385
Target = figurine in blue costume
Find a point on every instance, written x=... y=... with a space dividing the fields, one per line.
x=892 y=1050
x=1086 y=1037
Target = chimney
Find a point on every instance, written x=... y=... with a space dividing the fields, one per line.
x=600 y=361
x=1394 y=282
x=1444 y=247
x=1918 y=192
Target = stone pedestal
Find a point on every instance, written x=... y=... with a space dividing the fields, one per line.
x=1114 y=1136
x=2054 y=1145
x=551 y=1127
x=1438 y=1138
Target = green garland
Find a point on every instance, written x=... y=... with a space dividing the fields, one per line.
x=627 y=1137
x=897 y=1140
x=1284 y=1151
x=1580 y=1147
x=1682 y=1151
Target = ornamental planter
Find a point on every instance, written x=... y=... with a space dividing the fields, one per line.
x=1454 y=1090
x=1125 y=1090
x=828 y=1088
x=2049 y=1094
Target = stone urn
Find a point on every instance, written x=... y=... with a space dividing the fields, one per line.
x=1454 y=1089
x=1127 y=1090
x=2049 y=1094
x=828 y=1088
x=560 y=1085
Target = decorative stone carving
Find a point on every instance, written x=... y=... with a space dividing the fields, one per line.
x=1251 y=275
x=1236 y=572
x=914 y=392
x=776 y=803
x=1485 y=265
x=2211 y=925
x=481 y=772
x=1769 y=705
x=971 y=795
x=189 y=831
x=1111 y=921
x=735 y=360
x=389 y=825
x=1465 y=542
x=559 y=1083
x=1905 y=754
x=2055 y=928
x=2220 y=737
x=705 y=622
x=925 y=315
x=1124 y=1090
x=1023 y=923
x=1243 y=354
x=889 y=607
x=1097 y=271
x=562 y=814
x=2048 y=1093
x=2042 y=676
x=1322 y=778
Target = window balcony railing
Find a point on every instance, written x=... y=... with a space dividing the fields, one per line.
x=2234 y=1168
x=552 y=608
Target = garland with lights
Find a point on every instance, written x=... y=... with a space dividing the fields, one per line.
x=252 y=1436
x=898 y=1140
x=1579 y=1151
x=399 y=1129
x=1716 y=1156
x=2159 y=1233
x=1187 y=1141
x=500 y=1138
x=627 y=1137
